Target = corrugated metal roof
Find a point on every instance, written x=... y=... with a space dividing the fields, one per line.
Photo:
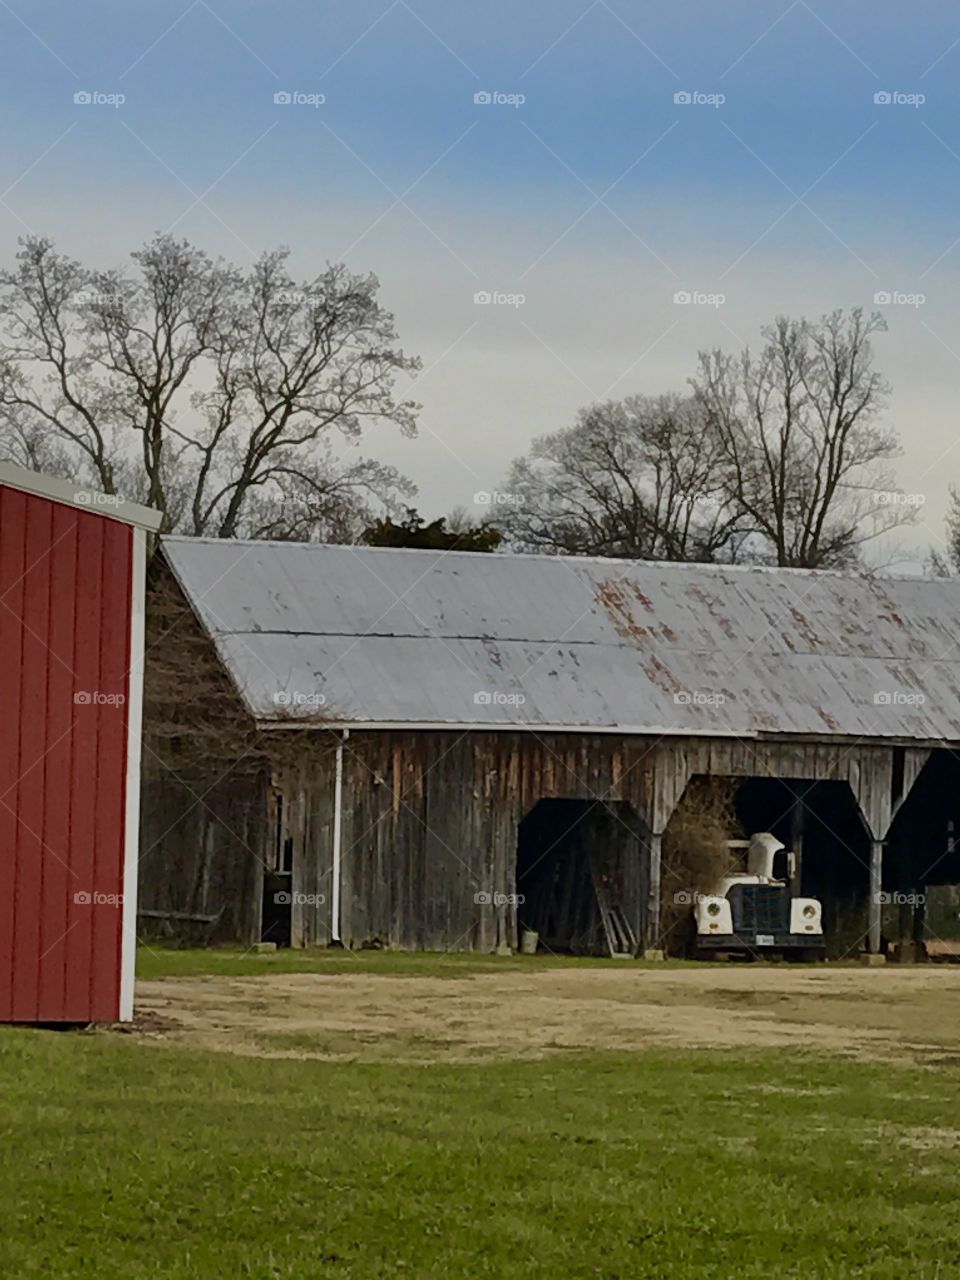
x=352 y=635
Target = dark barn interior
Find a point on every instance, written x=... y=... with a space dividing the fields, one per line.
x=574 y=859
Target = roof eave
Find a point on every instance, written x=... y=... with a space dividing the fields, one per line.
x=73 y=495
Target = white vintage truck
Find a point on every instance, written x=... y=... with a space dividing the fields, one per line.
x=756 y=914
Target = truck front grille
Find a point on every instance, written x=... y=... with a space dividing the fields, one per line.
x=760 y=908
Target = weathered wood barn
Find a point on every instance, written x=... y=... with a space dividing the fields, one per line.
x=388 y=747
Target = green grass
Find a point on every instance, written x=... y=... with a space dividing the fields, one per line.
x=128 y=1160
x=167 y=962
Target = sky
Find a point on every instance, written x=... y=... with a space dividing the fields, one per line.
x=761 y=157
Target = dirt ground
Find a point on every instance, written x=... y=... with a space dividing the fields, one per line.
x=888 y=1014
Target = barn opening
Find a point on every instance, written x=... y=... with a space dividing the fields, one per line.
x=922 y=862
x=579 y=877
x=276 y=912
x=821 y=823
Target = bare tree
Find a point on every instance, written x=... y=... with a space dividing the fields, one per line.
x=638 y=478
x=802 y=455
x=945 y=562
x=204 y=391
x=336 y=502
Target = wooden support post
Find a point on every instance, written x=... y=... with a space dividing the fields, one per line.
x=652 y=937
x=874 y=905
x=796 y=843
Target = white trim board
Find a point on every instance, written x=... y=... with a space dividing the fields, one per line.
x=131 y=840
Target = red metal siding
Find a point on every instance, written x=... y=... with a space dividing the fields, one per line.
x=65 y=605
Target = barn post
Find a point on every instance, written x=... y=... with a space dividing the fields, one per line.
x=661 y=787
x=870 y=775
x=875 y=905
x=654 y=850
x=797 y=816
x=880 y=790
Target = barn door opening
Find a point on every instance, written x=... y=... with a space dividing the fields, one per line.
x=579 y=877
x=276 y=916
x=832 y=845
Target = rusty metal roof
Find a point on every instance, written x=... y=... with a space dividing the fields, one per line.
x=369 y=636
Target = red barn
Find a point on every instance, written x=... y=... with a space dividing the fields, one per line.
x=72 y=567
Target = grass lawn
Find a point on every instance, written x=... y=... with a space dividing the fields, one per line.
x=169 y=962
x=127 y=1159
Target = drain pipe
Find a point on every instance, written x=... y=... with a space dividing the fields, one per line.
x=337 y=827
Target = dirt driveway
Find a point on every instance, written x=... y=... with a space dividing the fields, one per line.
x=887 y=1014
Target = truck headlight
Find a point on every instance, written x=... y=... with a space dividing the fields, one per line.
x=809 y=911
x=713 y=908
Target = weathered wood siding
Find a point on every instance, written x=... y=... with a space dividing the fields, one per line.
x=429 y=819
x=202 y=853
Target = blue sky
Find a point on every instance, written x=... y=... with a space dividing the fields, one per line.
x=798 y=193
